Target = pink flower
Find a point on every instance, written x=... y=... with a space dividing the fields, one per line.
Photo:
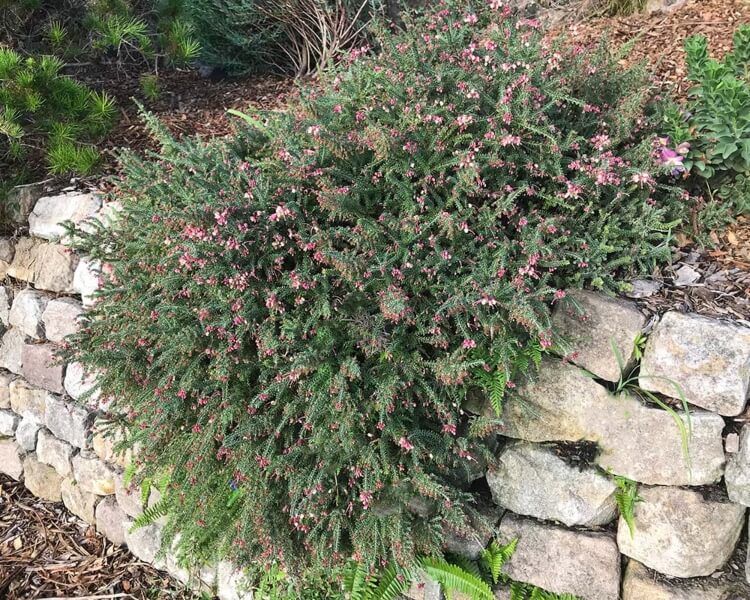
x=468 y=344
x=405 y=444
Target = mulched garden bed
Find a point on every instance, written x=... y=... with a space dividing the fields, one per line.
x=48 y=554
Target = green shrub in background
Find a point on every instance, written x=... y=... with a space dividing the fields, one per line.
x=43 y=111
x=292 y=319
x=709 y=138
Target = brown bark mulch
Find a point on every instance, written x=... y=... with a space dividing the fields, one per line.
x=48 y=554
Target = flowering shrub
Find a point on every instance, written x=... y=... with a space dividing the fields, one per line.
x=290 y=320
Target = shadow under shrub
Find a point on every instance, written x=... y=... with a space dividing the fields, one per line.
x=291 y=319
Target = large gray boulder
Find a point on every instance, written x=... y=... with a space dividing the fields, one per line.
x=680 y=533
x=708 y=359
x=48 y=266
x=594 y=324
x=560 y=560
x=532 y=480
x=641 y=584
x=45 y=221
x=638 y=441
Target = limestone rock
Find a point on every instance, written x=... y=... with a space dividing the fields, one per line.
x=11 y=350
x=593 y=326
x=707 y=358
x=8 y=422
x=45 y=221
x=48 y=266
x=6 y=300
x=20 y=202
x=103 y=445
x=27 y=432
x=80 y=503
x=28 y=401
x=78 y=383
x=638 y=441
x=5 y=381
x=145 y=542
x=7 y=251
x=423 y=588
x=232 y=583
x=41 y=480
x=640 y=584
x=68 y=422
x=61 y=318
x=532 y=480
x=93 y=475
x=111 y=521
x=54 y=452
x=559 y=560
x=42 y=368
x=86 y=280
x=11 y=459
x=737 y=475
x=129 y=498
x=26 y=313
x=681 y=534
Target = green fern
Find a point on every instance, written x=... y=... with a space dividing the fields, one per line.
x=626 y=497
x=388 y=584
x=453 y=578
x=495 y=556
x=151 y=514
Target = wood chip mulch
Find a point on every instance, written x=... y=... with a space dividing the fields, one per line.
x=48 y=554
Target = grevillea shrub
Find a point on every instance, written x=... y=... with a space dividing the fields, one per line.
x=291 y=320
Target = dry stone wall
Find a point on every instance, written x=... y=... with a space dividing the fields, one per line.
x=562 y=438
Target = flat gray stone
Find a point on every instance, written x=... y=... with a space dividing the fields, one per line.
x=80 y=503
x=679 y=533
x=27 y=400
x=80 y=384
x=737 y=475
x=709 y=360
x=128 y=498
x=11 y=459
x=61 y=318
x=26 y=313
x=45 y=221
x=42 y=368
x=8 y=423
x=423 y=588
x=561 y=561
x=86 y=280
x=638 y=441
x=27 y=432
x=592 y=328
x=641 y=584
x=20 y=202
x=68 y=421
x=532 y=480
x=6 y=301
x=5 y=380
x=111 y=521
x=11 y=350
x=55 y=453
x=232 y=583
x=93 y=475
x=41 y=480
x=145 y=543
x=48 y=266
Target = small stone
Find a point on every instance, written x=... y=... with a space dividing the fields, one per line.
x=6 y=301
x=68 y=421
x=11 y=459
x=679 y=533
x=86 y=280
x=54 y=452
x=61 y=318
x=128 y=498
x=708 y=359
x=561 y=561
x=48 y=266
x=423 y=588
x=8 y=422
x=465 y=546
x=641 y=584
x=93 y=475
x=41 y=480
x=80 y=503
x=145 y=543
x=737 y=475
x=42 y=368
x=111 y=521
x=532 y=480
x=7 y=251
x=643 y=288
x=732 y=443
x=45 y=221
x=103 y=445
x=80 y=385
x=26 y=313
x=20 y=201
x=685 y=276
x=27 y=432
x=594 y=323
x=637 y=441
x=28 y=401
x=232 y=583
x=11 y=350
x=5 y=381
